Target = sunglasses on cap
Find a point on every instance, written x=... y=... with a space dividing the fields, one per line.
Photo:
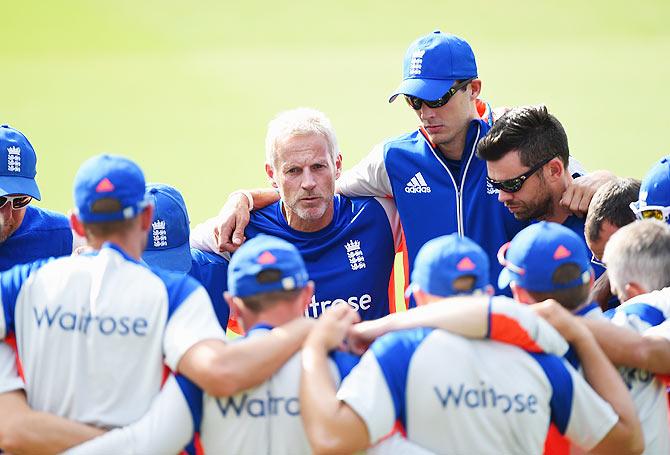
x=415 y=103
x=18 y=202
x=514 y=184
x=650 y=212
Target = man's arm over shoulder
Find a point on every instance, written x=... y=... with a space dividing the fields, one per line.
x=367 y=178
x=23 y=430
x=166 y=428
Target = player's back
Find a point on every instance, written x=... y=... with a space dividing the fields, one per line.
x=454 y=395
x=265 y=419
x=90 y=335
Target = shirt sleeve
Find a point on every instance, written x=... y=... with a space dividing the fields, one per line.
x=368 y=177
x=591 y=417
x=202 y=237
x=575 y=168
x=192 y=321
x=391 y=210
x=368 y=394
x=9 y=375
x=165 y=429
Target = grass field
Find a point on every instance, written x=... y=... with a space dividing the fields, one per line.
x=188 y=88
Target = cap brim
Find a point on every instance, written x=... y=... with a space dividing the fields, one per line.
x=426 y=89
x=505 y=278
x=19 y=185
x=175 y=259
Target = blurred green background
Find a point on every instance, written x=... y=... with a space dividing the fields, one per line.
x=187 y=88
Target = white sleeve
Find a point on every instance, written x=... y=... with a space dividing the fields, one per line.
x=591 y=417
x=165 y=429
x=366 y=391
x=202 y=237
x=662 y=330
x=575 y=167
x=391 y=210
x=368 y=177
x=9 y=376
x=193 y=321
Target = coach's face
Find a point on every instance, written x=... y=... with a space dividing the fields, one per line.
x=533 y=200
x=10 y=220
x=305 y=174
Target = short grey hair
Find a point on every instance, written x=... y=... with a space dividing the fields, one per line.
x=302 y=121
x=639 y=253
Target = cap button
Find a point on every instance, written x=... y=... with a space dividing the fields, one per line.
x=437 y=31
x=4 y=126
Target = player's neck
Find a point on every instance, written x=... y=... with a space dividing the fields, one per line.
x=276 y=315
x=557 y=213
x=307 y=225
x=453 y=150
x=131 y=247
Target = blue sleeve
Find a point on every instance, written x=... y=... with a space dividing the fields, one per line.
x=344 y=361
x=562 y=389
x=212 y=272
x=179 y=287
x=193 y=395
x=11 y=282
x=647 y=313
x=394 y=352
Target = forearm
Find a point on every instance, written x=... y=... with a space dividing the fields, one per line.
x=263 y=197
x=319 y=407
x=23 y=430
x=499 y=319
x=606 y=381
x=224 y=370
x=628 y=348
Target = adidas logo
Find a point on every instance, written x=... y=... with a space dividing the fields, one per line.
x=417 y=185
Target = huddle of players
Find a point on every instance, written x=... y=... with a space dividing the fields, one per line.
x=402 y=381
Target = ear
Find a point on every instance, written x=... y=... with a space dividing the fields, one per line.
x=520 y=294
x=554 y=169
x=633 y=290
x=232 y=304
x=146 y=217
x=271 y=174
x=420 y=297
x=476 y=85
x=77 y=225
x=338 y=166
x=306 y=295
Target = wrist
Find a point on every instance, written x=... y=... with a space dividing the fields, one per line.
x=247 y=195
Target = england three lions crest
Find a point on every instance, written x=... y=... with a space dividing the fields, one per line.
x=355 y=254
x=13 y=159
x=160 y=233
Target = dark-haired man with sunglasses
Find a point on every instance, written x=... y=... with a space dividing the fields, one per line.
x=27 y=233
x=526 y=154
x=437 y=182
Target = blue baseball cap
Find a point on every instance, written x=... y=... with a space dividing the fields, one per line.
x=168 y=246
x=264 y=253
x=534 y=254
x=109 y=177
x=654 y=196
x=18 y=164
x=442 y=260
x=433 y=63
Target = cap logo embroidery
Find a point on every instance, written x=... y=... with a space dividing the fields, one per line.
x=266 y=258
x=465 y=264
x=105 y=186
x=561 y=253
x=14 y=159
x=159 y=233
x=416 y=63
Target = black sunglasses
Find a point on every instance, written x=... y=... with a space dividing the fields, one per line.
x=415 y=103
x=18 y=202
x=514 y=184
